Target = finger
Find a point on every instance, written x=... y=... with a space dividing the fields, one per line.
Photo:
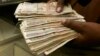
x=37 y=0
x=51 y=1
x=60 y=5
x=78 y=42
x=75 y=25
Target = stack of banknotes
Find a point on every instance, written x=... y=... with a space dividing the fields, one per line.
x=41 y=26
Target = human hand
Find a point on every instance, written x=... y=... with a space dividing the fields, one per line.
x=60 y=5
x=89 y=32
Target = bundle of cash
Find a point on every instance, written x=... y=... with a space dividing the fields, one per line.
x=41 y=26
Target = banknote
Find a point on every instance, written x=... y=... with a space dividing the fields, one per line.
x=41 y=26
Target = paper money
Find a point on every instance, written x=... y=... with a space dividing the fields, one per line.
x=41 y=26
x=39 y=9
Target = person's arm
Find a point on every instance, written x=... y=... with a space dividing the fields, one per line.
x=89 y=32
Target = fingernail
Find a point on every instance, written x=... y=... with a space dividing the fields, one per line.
x=63 y=21
x=66 y=22
x=58 y=9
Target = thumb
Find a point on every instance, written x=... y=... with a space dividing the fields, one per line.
x=60 y=5
x=75 y=25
